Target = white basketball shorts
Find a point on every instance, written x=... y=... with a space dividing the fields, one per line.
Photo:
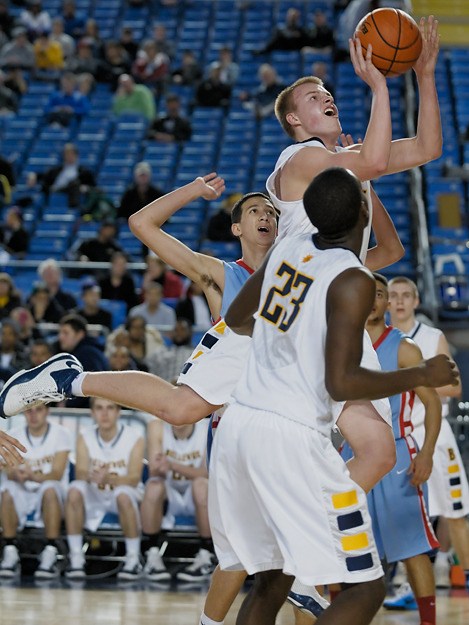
x=30 y=501
x=280 y=497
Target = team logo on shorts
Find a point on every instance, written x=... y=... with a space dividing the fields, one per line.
x=451 y=454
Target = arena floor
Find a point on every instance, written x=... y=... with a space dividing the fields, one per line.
x=58 y=603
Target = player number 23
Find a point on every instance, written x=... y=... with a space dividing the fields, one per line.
x=283 y=303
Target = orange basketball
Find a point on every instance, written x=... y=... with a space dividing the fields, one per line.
x=395 y=38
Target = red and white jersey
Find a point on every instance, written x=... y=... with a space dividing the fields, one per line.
x=293 y=219
x=285 y=372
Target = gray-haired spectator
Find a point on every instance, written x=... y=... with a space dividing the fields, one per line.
x=262 y=100
x=18 y=52
x=229 y=70
x=132 y=98
x=153 y=310
x=50 y=273
x=58 y=34
x=140 y=193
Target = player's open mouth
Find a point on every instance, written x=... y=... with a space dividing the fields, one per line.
x=263 y=229
x=330 y=111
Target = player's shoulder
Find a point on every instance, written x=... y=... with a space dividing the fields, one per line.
x=426 y=330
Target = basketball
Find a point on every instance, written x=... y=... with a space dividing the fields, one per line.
x=395 y=39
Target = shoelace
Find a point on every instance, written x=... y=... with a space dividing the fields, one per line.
x=45 y=397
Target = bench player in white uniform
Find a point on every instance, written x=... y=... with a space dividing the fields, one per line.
x=109 y=462
x=448 y=485
x=37 y=487
x=281 y=502
x=178 y=474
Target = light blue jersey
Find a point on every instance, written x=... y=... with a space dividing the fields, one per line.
x=236 y=274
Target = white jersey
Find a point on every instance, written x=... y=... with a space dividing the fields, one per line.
x=427 y=339
x=293 y=218
x=187 y=451
x=286 y=368
x=114 y=454
x=42 y=449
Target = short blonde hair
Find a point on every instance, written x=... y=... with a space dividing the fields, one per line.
x=404 y=280
x=284 y=103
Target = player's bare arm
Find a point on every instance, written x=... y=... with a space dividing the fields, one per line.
x=190 y=473
x=448 y=391
x=349 y=302
x=10 y=449
x=427 y=143
x=421 y=466
x=240 y=315
x=388 y=248
x=154 y=445
x=56 y=473
x=82 y=461
x=147 y=223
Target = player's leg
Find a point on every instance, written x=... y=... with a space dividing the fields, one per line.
x=74 y=523
x=51 y=510
x=371 y=440
x=264 y=600
x=357 y=604
x=126 y=501
x=459 y=533
x=151 y=511
x=422 y=581
x=225 y=586
x=10 y=564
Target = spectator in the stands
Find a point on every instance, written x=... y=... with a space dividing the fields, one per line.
x=70 y=177
x=194 y=307
x=39 y=352
x=15 y=80
x=91 y=308
x=291 y=36
x=66 y=41
x=50 y=273
x=153 y=310
x=321 y=70
x=160 y=37
x=321 y=35
x=116 y=63
x=29 y=332
x=128 y=42
x=140 y=193
x=219 y=224
x=120 y=359
x=100 y=249
x=132 y=98
x=168 y=360
x=13 y=354
x=172 y=126
x=49 y=57
x=158 y=271
x=8 y=98
x=43 y=307
x=35 y=19
x=7 y=170
x=140 y=338
x=18 y=53
x=151 y=66
x=347 y=23
x=7 y=21
x=84 y=60
x=67 y=103
x=9 y=296
x=262 y=99
x=85 y=83
x=92 y=34
x=14 y=238
x=74 y=25
x=189 y=72
x=211 y=91
x=229 y=70
x=119 y=284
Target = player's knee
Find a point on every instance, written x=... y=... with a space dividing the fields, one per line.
x=123 y=501
x=7 y=499
x=50 y=496
x=155 y=492
x=74 y=497
x=200 y=491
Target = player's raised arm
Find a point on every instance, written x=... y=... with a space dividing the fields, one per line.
x=427 y=143
x=349 y=301
x=388 y=248
x=147 y=224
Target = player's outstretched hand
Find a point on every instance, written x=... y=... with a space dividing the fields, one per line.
x=364 y=67
x=430 y=46
x=10 y=450
x=440 y=371
x=211 y=186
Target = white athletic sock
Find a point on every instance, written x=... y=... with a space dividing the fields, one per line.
x=442 y=557
x=77 y=384
x=205 y=620
x=132 y=546
x=75 y=542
